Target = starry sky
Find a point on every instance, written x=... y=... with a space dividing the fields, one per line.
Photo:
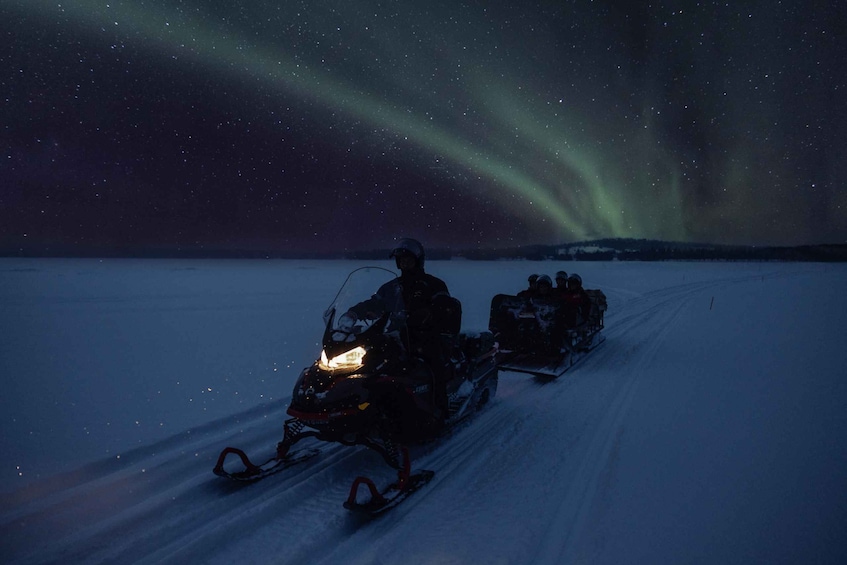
x=339 y=125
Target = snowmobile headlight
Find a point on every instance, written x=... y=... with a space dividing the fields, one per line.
x=351 y=359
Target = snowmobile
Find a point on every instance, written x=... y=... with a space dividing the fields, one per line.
x=370 y=388
x=543 y=336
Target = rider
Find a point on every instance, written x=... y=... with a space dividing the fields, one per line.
x=429 y=309
x=529 y=292
x=578 y=300
x=544 y=287
x=561 y=283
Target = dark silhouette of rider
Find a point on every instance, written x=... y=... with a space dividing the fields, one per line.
x=543 y=287
x=577 y=301
x=433 y=317
x=561 y=283
x=529 y=292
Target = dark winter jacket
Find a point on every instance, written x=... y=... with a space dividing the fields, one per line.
x=580 y=302
x=417 y=295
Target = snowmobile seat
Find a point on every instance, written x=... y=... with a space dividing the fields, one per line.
x=447 y=314
x=475 y=344
x=598 y=307
x=529 y=325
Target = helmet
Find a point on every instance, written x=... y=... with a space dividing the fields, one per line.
x=532 y=278
x=544 y=279
x=411 y=246
x=561 y=275
x=576 y=279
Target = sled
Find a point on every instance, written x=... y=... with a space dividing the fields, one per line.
x=539 y=336
x=547 y=366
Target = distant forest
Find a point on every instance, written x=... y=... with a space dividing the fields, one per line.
x=653 y=250
x=595 y=250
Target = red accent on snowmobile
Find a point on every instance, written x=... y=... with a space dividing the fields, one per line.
x=321 y=417
x=249 y=468
x=283 y=460
x=378 y=499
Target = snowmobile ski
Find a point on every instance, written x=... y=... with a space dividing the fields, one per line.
x=253 y=472
x=390 y=497
x=395 y=493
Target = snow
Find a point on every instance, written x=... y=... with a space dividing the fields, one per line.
x=710 y=427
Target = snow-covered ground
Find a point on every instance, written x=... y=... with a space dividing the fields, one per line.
x=710 y=427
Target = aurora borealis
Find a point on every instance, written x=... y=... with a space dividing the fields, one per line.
x=329 y=125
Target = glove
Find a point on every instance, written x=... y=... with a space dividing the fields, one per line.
x=347 y=321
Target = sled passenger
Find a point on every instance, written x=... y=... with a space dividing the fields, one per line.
x=561 y=283
x=529 y=292
x=577 y=301
x=544 y=287
x=429 y=311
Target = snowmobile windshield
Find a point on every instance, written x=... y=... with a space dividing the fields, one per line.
x=368 y=294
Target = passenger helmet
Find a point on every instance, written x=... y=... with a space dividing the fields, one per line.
x=575 y=279
x=561 y=275
x=532 y=278
x=407 y=245
x=544 y=279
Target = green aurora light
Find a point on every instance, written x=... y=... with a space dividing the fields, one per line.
x=566 y=188
x=582 y=144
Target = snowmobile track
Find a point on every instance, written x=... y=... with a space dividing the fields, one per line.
x=574 y=509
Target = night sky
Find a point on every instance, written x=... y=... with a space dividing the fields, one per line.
x=341 y=124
